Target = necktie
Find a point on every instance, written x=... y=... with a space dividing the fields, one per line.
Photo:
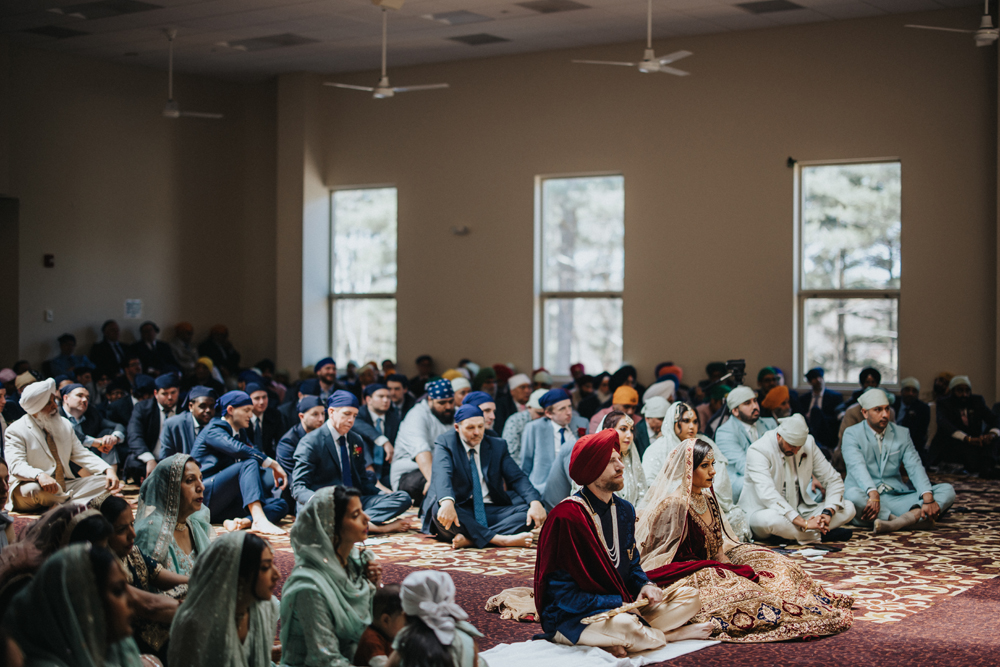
x=378 y=426
x=562 y=437
x=257 y=435
x=477 y=490
x=118 y=352
x=60 y=474
x=345 y=463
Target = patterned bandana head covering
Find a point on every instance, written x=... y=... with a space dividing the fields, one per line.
x=439 y=390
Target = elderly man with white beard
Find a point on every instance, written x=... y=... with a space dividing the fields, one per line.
x=39 y=447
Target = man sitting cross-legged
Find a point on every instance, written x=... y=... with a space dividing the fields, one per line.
x=744 y=428
x=588 y=562
x=873 y=451
x=467 y=503
x=332 y=455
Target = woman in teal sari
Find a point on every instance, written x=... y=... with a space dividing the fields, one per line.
x=326 y=603
x=75 y=613
x=172 y=527
x=230 y=616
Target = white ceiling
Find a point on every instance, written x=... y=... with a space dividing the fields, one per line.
x=348 y=32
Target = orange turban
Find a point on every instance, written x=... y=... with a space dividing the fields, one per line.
x=591 y=454
x=775 y=397
x=625 y=395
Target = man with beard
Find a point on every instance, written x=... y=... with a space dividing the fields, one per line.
x=744 y=428
x=777 y=403
x=966 y=430
x=39 y=448
x=412 y=460
x=874 y=451
x=180 y=431
x=326 y=373
x=913 y=413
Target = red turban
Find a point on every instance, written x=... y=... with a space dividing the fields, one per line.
x=591 y=454
x=503 y=372
x=775 y=397
x=673 y=369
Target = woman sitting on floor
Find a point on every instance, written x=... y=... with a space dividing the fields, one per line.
x=326 y=603
x=436 y=632
x=172 y=527
x=146 y=577
x=76 y=613
x=749 y=593
x=230 y=615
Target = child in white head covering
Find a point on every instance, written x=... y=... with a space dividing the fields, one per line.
x=436 y=632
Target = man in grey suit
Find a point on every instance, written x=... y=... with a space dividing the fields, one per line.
x=180 y=431
x=545 y=438
x=873 y=452
x=743 y=428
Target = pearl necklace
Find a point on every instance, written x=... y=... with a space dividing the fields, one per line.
x=613 y=551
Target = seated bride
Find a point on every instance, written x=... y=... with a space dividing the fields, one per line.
x=748 y=592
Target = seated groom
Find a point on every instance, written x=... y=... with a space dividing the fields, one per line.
x=39 y=447
x=873 y=452
x=744 y=427
x=467 y=503
x=776 y=492
x=544 y=438
x=333 y=454
x=582 y=569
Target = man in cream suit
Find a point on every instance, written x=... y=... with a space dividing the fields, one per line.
x=776 y=494
x=39 y=447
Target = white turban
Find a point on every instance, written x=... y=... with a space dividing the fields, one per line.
x=665 y=389
x=517 y=380
x=912 y=383
x=430 y=596
x=543 y=377
x=459 y=384
x=739 y=396
x=535 y=397
x=793 y=430
x=655 y=407
x=959 y=379
x=36 y=395
x=873 y=398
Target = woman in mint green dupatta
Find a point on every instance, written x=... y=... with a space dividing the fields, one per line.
x=75 y=613
x=230 y=617
x=326 y=603
x=170 y=509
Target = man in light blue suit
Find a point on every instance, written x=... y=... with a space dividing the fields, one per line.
x=873 y=452
x=180 y=431
x=545 y=438
x=743 y=428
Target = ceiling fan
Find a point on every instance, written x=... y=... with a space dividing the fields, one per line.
x=649 y=63
x=382 y=89
x=986 y=34
x=172 y=109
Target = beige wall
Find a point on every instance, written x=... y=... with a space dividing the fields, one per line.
x=709 y=199
x=178 y=213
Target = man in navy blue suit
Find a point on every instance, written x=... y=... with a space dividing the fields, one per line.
x=333 y=455
x=238 y=478
x=467 y=503
x=155 y=355
x=311 y=415
x=821 y=408
x=145 y=426
x=378 y=423
x=180 y=431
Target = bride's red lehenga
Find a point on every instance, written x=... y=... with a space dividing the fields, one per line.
x=759 y=596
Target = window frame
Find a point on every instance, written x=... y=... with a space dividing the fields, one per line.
x=332 y=296
x=802 y=295
x=540 y=294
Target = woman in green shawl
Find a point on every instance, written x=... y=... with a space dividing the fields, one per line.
x=75 y=613
x=326 y=603
x=230 y=616
x=172 y=527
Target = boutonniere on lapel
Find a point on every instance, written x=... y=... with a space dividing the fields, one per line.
x=580 y=432
x=357 y=450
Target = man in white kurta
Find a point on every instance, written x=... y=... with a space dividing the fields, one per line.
x=39 y=447
x=776 y=493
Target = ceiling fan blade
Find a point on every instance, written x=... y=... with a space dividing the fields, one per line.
x=934 y=27
x=671 y=70
x=367 y=89
x=429 y=86
x=201 y=114
x=675 y=56
x=604 y=62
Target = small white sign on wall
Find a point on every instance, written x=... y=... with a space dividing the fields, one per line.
x=133 y=309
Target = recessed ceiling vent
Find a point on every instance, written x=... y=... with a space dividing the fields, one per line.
x=768 y=6
x=460 y=17
x=105 y=9
x=271 y=42
x=552 y=6
x=478 y=39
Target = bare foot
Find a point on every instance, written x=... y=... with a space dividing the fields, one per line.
x=617 y=651
x=236 y=524
x=265 y=527
x=461 y=542
x=519 y=540
x=693 y=631
x=397 y=526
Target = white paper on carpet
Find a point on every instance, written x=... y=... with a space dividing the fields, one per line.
x=547 y=654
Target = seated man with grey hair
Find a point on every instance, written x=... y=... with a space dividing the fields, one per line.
x=744 y=428
x=776 y=496
x=873 y=452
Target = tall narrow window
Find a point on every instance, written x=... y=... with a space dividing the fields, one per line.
x=363 y=275
x=850 y=261
x=580 y=272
